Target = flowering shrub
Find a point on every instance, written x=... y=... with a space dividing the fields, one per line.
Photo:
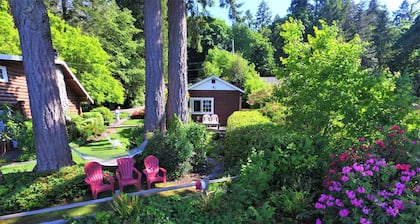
x=139 y=114
x=373 y=183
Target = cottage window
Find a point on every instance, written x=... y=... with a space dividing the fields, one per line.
x=3 y=74
x=202 y=105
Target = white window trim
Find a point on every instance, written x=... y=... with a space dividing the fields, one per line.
x=201 y=99
x=4 y=77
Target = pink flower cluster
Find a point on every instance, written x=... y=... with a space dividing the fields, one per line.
x=386 y=198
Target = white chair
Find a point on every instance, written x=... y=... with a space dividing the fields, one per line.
x=114 y=143
x=214 y=120
x=206 y=119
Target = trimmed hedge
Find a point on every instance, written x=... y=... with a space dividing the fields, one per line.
x=107 y=115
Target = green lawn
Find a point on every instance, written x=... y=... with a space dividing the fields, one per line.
x=101 y=149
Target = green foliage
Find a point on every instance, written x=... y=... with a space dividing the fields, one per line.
x=88 y=60
x=17 y=128
x=255 y=48
x=173 y=150
x=182 y=149
x=81 y=128
x=94 y=121
x=275 y=111
x=260 y=97
x=199 y=137
x=9 y=36
x=232 y=68
x=28 y=191
x=126 y=208
x=114 y=28
x=328 y=93
x=136 y=137
x=376 y=182
x=106 y=114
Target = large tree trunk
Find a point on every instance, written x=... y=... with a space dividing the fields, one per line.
x=177 y=61
x=51 y=143
x=155 y=98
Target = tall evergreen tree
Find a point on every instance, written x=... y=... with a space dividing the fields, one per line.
x=155 y=97
x=403 y=14
x=263 y=16
x=300 y=9
x=177 y=61
x=51 y=142
x=333 y=10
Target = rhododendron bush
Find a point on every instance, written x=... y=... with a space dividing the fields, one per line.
x=373 y=183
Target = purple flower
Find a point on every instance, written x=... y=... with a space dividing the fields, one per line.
x=364 y=221
x=398 y=204
x=344 y=212
x=358 y=167
x=339 y=203
x=367 y=173
x=362 y=139
x=360 y=190
x=390 y=211
x=417 y=190
x=370 y=197
x=365 y=210
x=330 y=203
x=350 y=194
x=409 y=173
x=383 y=204
x=375 y=168
x=357 y=202
x=399 y=188
x=320 y=206
x=381 y=162
x=413 y=142
x=405 y=178
x=370 y=161
x=346 y=170
x=323 y=197
x=318 y=221
x=344 y=178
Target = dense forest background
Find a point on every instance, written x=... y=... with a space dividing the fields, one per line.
x=103 y=41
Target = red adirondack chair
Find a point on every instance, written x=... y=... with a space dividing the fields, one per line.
x=125 y=173
x=95 y=178
x=153 y=172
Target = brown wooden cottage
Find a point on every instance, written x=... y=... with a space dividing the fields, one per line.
x=14 y=91
x=214 y=95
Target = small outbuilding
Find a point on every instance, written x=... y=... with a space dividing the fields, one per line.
x=14 y=90
x=214 y=95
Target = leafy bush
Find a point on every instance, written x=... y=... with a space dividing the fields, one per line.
x=373 y=183
x=16 y=128
x=27 y=191
x=106 y=114
x=260 y=97
x=81 y=128
x=275 y=111
x=182 y=149
x=173 y=150
x=199 y=137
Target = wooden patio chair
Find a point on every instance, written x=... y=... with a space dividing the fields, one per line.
x=95 y=178
x=153 y=172
x=125 y=173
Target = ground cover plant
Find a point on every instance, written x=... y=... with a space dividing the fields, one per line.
x=375 y=182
